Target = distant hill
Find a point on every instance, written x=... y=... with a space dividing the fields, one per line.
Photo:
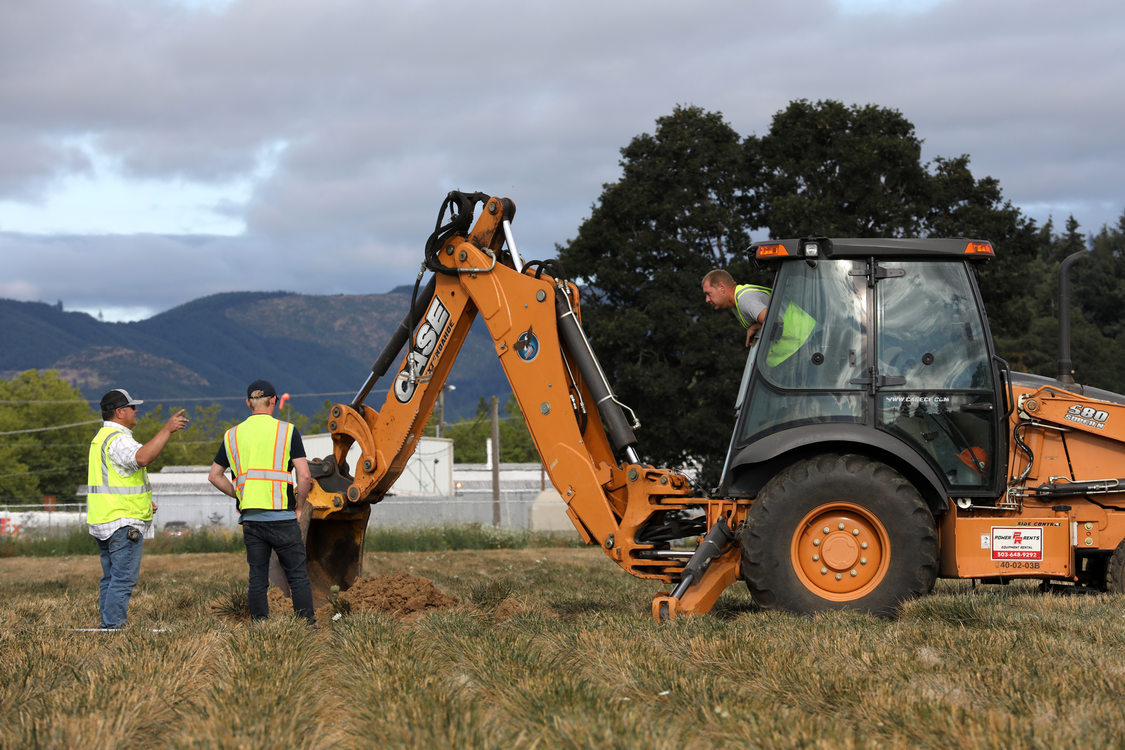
x=209 y=349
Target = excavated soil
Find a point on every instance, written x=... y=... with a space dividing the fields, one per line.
x=399 y=594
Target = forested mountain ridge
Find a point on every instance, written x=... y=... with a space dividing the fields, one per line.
x=210 y=348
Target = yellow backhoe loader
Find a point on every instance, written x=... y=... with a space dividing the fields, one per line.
x=879 y=441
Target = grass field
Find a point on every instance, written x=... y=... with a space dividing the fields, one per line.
x=551 y=647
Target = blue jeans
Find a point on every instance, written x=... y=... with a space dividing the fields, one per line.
x=121 y=564
x=284 y=538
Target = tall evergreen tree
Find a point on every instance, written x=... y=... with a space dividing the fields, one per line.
x=1101 y=278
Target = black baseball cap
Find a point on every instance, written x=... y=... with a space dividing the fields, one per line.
x=118 y=398
x=260 y=389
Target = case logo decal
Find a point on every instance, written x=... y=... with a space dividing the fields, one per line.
x=425 y=344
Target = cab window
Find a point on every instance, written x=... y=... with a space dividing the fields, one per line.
x=813 y=338
x=930 y=331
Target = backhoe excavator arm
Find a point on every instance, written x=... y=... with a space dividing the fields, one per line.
x=533 y=317
x=1068 y=445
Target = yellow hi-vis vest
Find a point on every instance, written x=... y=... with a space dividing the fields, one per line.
x=258 y=451
x=111 y=495
x=741 y=289
x=796 y=325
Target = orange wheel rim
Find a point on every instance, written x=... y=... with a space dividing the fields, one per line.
x=840 y=552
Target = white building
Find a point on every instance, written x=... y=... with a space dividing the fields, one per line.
x=432 y=490
x=429 y=471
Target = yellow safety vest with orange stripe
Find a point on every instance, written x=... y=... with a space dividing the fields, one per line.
x=111 y=495
x=258 y=450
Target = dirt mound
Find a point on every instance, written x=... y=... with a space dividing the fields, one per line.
x=398 y=594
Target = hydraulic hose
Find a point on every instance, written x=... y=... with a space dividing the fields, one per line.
x=460 y=208
x=398 y=338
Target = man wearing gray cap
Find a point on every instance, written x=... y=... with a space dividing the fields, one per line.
x=263 y=454
x=119 y=499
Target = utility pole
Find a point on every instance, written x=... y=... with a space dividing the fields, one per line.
x=495 y=461
x=1066 y=366
x=441 y=409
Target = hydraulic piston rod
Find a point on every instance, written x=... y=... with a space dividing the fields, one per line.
x=620 y=431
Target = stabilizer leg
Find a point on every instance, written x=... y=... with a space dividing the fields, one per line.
x=702 y=582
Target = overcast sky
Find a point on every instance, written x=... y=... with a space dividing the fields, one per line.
x=157 y=151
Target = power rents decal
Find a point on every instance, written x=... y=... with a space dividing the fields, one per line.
x=425 y=345
x=1012 y=543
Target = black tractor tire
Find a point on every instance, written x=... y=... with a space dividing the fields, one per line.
x=1115 y=571
x=839 y=532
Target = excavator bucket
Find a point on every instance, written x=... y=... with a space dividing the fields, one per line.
x=335 y=552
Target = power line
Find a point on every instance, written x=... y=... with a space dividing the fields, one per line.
x=43 y=471
x=44 y=401
x=474 y=423
x=171 y=442
x=56 y=427
x=166 y=399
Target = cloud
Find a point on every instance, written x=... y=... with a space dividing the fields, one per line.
x=323 y=136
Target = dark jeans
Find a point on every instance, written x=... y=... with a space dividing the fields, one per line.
x=284 y=538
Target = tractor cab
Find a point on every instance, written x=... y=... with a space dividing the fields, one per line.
x=878 y=347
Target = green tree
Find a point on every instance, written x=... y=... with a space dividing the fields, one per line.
x=1097 y=294
x=681 y=208
x=516 y=445
x=832 y=170
x=471 y=435
x=41 y=454
x=321 y=418
x=686 y=202
x=299 y=420
x=828 y=169
x=958 y=205
x=1100 y=277
x=195 y=446
x=1021 y=292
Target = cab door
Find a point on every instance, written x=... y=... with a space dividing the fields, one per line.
x=937 y=388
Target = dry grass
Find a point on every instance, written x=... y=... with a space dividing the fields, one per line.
x=552 y=648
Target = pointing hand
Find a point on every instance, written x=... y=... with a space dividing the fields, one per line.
x=177 y=421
